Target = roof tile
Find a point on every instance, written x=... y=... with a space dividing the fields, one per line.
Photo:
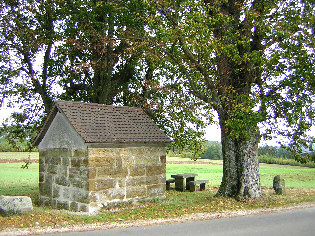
x=97 y=123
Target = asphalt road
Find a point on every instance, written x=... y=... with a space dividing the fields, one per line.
x=295 y=222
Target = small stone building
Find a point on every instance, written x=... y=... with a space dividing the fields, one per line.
x=93 y=156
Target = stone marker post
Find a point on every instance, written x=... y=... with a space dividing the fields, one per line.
x=278 y=185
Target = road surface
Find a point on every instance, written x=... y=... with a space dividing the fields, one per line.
x=297 y=222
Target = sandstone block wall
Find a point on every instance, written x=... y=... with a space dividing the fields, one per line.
x=63 y=178
x=87 y=179
x=122 y=174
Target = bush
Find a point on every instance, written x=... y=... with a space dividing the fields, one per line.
x=283 y=161
x=5 y=146
x=213 y=150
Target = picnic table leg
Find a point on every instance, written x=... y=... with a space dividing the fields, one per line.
x=202 y=186
x=187 y=182
x=179 y=184
x=168 y=185
x=192 y=186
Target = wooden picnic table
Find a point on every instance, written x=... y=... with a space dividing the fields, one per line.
x=180 y=180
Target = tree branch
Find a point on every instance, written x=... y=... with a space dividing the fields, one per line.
x=196 y=91
x=191 y=58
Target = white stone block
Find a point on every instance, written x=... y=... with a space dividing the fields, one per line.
x=15 y=204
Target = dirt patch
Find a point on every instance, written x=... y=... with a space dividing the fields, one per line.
x=18 y=160
x=167 y=162
x=192 y=162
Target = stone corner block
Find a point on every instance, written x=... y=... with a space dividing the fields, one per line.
x=15 y=204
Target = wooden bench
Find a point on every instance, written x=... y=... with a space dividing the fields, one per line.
x=168 y=183
x=202 y=183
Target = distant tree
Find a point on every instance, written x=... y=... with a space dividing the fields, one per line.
x=213 y=150
x=275 y=151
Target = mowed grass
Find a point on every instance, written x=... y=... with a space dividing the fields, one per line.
x=213 y=173
x=17 y=181
x=295 y=177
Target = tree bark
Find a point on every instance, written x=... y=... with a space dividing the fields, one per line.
x=240 y=165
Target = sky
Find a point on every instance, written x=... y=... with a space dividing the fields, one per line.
x=4 y=113
x=213 y=133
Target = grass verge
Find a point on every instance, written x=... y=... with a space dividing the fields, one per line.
x=176 y=204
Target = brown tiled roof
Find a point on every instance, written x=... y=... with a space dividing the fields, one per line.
x=97 y=123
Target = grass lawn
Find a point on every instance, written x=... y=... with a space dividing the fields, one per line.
x=300 y=183
x=295 y=177
x=213 y=173
x=17 y=181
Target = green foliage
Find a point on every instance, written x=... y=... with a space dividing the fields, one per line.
x=5 y=146
x=252 y=62
x=213 y=150
x=100 y=49
x=283 y=156
x=283 y=161
x=275 y=152
x=90 y=51
x=27 y=66
x=179 y=115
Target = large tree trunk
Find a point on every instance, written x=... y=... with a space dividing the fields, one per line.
x=240 y=165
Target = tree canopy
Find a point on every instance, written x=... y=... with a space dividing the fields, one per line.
x=251 y=58
x=251 y=62
x=88 y=51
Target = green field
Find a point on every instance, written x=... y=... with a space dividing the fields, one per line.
x=17 y=181
x=295 y=177
x=299 y=180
